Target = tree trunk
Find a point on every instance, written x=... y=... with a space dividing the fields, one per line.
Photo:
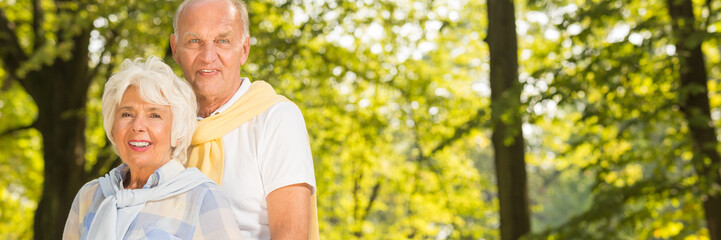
x=508 y=143
x=694 y=103
x=60 y=91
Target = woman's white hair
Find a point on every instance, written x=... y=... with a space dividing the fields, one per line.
x=157 y=84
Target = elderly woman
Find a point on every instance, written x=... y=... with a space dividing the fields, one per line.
x=149 y=116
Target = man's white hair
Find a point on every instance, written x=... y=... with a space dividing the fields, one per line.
x=239 y=6
x=157 y=84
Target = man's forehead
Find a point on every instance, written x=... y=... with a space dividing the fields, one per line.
x=206 y=5
x=201 y=15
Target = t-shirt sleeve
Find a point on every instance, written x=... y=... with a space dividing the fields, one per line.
x=284 y=152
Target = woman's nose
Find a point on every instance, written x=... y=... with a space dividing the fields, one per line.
x=138 y=124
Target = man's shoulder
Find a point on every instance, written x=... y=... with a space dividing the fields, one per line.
x=284 y=109
x=282 y=114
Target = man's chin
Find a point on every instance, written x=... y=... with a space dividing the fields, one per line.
x=200 y=80
x=208 y=89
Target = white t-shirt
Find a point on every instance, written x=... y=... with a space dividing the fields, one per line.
x=266 y=153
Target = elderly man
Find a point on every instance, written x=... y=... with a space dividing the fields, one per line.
x=249 y=140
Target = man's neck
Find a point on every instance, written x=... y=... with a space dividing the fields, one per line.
x=208 y=105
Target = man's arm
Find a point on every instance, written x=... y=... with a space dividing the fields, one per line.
x=287 y=171
x=289 y=212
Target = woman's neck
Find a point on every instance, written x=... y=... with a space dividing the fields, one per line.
x=137 y=177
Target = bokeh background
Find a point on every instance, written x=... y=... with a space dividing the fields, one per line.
x=614 y=111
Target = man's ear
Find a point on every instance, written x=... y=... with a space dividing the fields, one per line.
x=246 y=50
x=173 y=48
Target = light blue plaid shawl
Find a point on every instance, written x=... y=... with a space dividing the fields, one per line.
x=104 y=226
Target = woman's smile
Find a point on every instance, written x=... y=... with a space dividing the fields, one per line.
x=139 y=145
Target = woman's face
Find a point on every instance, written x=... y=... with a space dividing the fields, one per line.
x=142 y=131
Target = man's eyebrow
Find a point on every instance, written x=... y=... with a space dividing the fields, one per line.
x=192 y=34
x=225 y=34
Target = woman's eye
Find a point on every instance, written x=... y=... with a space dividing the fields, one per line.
x=125 y=114
x=155 y=115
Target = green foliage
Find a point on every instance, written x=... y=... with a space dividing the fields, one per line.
x=20 y=164
x=395 y=95
x=613 y=75
x=393 y=159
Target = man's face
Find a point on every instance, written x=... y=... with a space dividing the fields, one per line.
x=210 y=48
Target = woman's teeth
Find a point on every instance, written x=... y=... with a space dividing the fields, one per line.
x=139 y=144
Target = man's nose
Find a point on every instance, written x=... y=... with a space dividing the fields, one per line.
x=209 y=53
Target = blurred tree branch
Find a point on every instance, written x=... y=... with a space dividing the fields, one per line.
x=16 y=129
x=37 y=25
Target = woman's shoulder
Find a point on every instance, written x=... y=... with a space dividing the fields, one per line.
x=203 y=189
x=85 y=197
x=205 y=185
x=89 y=189
x=192 y=202
x=208 y=194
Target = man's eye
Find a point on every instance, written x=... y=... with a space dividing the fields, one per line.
x=194 y=40
x=223 y=41
x=155 y=115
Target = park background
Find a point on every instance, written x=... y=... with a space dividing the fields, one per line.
x=442 y=119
